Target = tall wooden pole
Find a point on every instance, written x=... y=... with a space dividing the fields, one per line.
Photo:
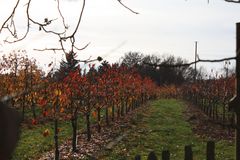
x=195 y=75
x=237 y=107
x=234 y=103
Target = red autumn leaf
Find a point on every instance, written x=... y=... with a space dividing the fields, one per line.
x=34 y=122
x=42 y=102
x=45 y=113
x=94 y=114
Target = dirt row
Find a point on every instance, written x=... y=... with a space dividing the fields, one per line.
x=204 y=127
x=107 y=139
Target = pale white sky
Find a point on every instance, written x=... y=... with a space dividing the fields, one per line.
x=162 y=27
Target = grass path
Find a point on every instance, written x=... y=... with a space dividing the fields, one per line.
x=162 y=127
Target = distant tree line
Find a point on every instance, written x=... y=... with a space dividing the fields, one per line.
x=162 y=75
x=138 y=61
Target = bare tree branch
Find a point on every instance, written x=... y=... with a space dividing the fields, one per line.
x=62 y=37
x=233 y=1
x=61 y=43
x=46 y=24
x=60 y=49
x=191 y=63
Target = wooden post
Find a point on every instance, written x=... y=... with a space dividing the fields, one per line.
x=152 y=156
x=137 y=157
x=210 y=150
x=237 y=108
x=56 y=139
x=88 y=126
x=165 y=155
x=234 y=104
x=10 y=130
x=99 y=119
x=106 y=116
x=188 y=153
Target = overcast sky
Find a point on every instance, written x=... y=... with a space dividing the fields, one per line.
x=162 y=27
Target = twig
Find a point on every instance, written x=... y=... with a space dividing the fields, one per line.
x=11 y=15
x=28 y=26
x=11 y=32
x=127 y=7
x=80 y=49
x=59 y=11
x=89 y=60
x=49 y=49
x=46 y=24
x=79 y=21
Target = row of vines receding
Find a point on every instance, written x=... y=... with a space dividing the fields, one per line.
x=112 y=90
x=211 y=95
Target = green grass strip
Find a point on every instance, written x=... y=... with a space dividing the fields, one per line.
x=162 y=127
x=32 y=143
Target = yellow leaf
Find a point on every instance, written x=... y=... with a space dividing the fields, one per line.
x=46 y=133
x=58 y=92
x=110 y=110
